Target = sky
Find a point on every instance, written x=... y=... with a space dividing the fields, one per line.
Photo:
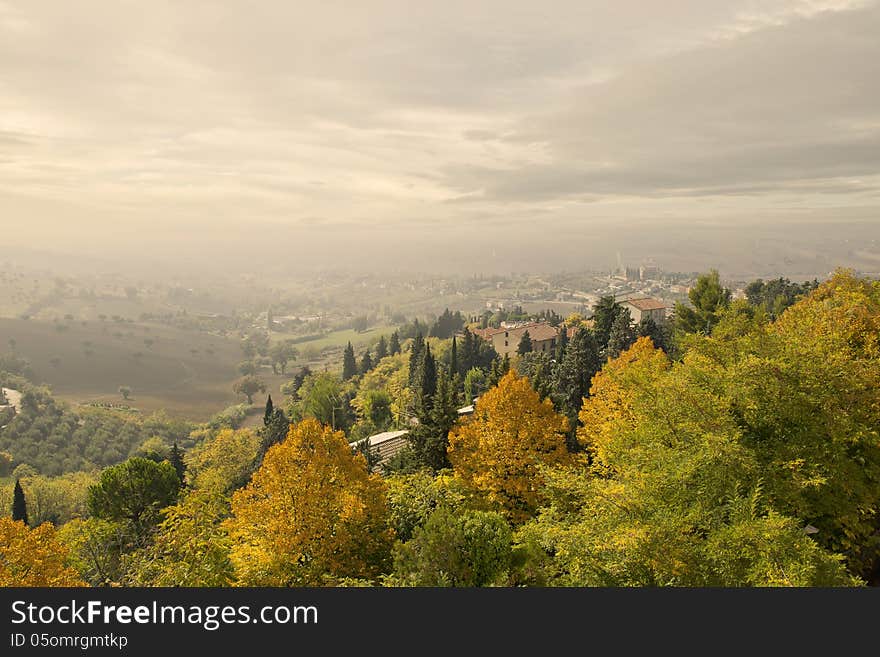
x=134 y=127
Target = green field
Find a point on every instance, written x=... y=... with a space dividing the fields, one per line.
x=187 y=373
x=342 y=337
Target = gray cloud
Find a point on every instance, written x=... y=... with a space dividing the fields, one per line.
x=455 y=114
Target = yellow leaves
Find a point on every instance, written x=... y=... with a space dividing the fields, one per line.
x=223 y=463
x=610 y=401
x=33 y=557
x=499 y=451
x=842 y=315
x=311 y=512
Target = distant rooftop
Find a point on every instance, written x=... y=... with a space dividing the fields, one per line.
x=379 y=438
x=646 y=303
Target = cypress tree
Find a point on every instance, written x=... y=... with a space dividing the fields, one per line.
x=604 y=314
x=416 y=357
x=381 y=349
x=272 y=433
x=427 y=385
x=649 y=328
x=561 y=343
x=394 y=344
x=19 y=504
x=494 y=372
x=430 y=439
x=525 y=344
x=573 y=377
x=621 y=336
x=267 y=415
x=349 y=364
x=366 y=362
x=453 y=358
x=175 y=458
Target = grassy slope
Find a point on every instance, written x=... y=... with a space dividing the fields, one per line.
x=167 y=374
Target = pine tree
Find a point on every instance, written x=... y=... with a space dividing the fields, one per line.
x=381 y=349
x=622 y=335
x=525 y=344
x=366 y=363
x=349 y=364
x=709 y=298
x=573 y=377
x=394 y=344
x=175 y=458
x=19 y=504
x=505 y=365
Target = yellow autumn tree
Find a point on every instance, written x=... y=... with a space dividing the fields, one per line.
x=33 y=557
x=312 y=514
x=499 y=452
x=609 y=404
x=224 y=462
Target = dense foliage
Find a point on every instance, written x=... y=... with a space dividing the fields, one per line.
x=746 y=454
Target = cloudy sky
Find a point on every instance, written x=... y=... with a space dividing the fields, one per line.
x=124 y=120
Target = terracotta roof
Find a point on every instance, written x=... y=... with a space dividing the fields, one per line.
x=487 y=333
x=646 y=304
x=539 y=332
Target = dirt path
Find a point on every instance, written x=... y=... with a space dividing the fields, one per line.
x=14 y=398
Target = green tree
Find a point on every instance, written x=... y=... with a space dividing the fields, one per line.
x=778 y=294
x=430 y=438
x=248 y=386
x=465 y=548
x=604 y=314
x=474 y=384
x=453 y=358
x=394 y=344
x=134 y=491
x=525 y=344
x=561 y=343
x=381 y=348
x=281 y=353
x=648 y=328
x=19 y=504
x=366 y=363
x=573 y=376
x=622 y=334
x=190 y=548
x=708 y=298
x=416 y=359
x=247 y=367
x=426 y=385
x=349 y=364
x=125 y=391
x=175 y=458
x=538 y=369
x=322 y=397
